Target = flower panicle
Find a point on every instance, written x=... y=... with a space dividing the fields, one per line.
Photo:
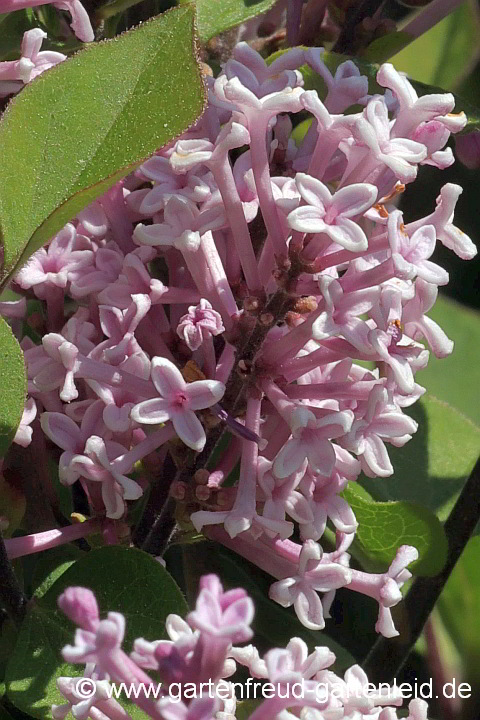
x=174 y=317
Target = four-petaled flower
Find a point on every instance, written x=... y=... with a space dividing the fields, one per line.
x=178 y=402
x=331 y=214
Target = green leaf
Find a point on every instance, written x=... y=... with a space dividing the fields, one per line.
x=384 y=47
x=245 y=708
x=124 y=580
x=451 y=379
x=385 y=526
x=51 y=565
x=443 y=54
x=86 y=123
x=214 y=17
x=459 y=606
x=432 y=468
x=13 y=386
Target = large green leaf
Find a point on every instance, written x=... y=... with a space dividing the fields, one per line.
x=451 y=379
x=13 y=386
x=80 y=127
x=49 y=566
x=385 y=526
x=432 y=468
x=442 y=55
x=124 y=580
x=214 y=17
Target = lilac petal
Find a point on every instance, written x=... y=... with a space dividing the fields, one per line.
x=167 y=378
x=290 y=458
x=329 y=576
x=308 y=607
x=335 y=424
x=63 y=431
x=204 y=393
x=112 y=499
x=80 y=24
x=313 y=191
x=403 y=373
x=342 y=515
x=455 y=239
x=153 y=235
x=51 y=377
x=432 y=273
x=385 y=625
x=439 y=342
x=239 y=613
x=394 y=424
x=87 y=468
x=354 y=199
x=422 y=244
x=151 y=412
x=376 y=456
x=282 y=592
x=315 y=529
x=298 y=508
x=307 y=219
x=116 y=418
x=406 y=554
x=408 y=150
x=131 y=489
x=189 y=429
x=348 y=234
x=321 y=457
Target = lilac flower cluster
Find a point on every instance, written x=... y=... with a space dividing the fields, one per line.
x=227 y=295
x=188 y=671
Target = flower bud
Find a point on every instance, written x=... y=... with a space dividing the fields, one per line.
x=80 y=606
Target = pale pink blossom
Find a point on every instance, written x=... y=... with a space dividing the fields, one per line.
x=331 y=214
x=177 y=402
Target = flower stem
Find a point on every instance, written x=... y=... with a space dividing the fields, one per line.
x=388 y=656
x=37 y=542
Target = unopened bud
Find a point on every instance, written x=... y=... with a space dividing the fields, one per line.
x=251 y=304
x=305 y=305
x=202 y=476
x=266 y=319
x=202 y=493
x=178 y=490
x=80 y=606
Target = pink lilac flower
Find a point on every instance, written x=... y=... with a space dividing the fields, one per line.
x=23 y=436
x=218 y=615
x=178 y=401
x=96 y=464
x=199 y=324
x=14 y=74
x=330 y=214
